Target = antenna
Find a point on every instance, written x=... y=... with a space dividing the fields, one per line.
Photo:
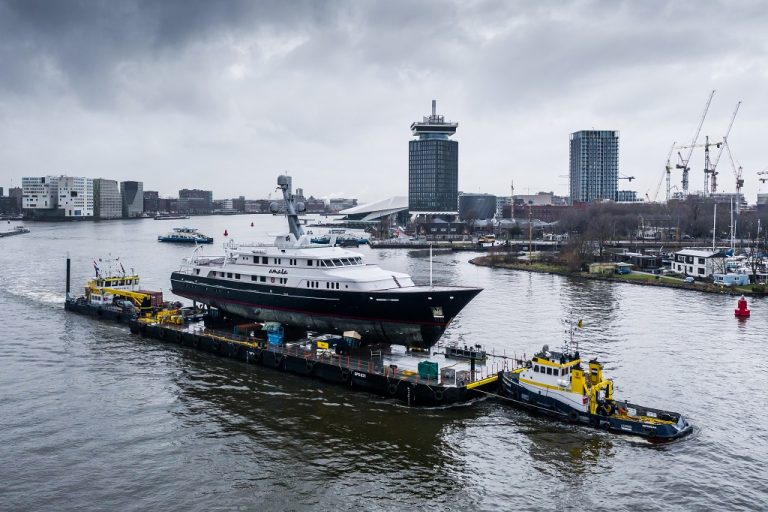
x=434 y=108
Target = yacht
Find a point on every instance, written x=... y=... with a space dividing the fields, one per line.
x=320 y=288
x=185 y=236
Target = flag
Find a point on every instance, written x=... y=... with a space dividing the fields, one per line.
x=580 y=325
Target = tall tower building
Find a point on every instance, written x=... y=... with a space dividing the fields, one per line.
x=433 y=166
x=132 y=193
x=594 y=169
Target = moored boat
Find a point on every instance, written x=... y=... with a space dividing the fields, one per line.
x=556 y=384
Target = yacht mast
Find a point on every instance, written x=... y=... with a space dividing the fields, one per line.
x=292 y=209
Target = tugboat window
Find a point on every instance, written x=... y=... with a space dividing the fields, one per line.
x=549 y=371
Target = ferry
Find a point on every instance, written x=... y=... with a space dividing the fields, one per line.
x=185 y=236
x=320 y=288
x=557 y=385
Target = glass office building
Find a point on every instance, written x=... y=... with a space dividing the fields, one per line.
x=433 y=166
x=594 y=167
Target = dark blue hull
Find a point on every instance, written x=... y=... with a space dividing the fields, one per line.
x=554 y=408
x=405 y=318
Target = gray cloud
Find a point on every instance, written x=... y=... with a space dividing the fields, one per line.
x=222 y=94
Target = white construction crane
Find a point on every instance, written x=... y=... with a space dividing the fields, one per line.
x=737 y=174
x=713 y=170
x=668 y=173
x=683 y=164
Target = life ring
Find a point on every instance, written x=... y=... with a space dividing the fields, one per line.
x=438 y=394
x=393 y=389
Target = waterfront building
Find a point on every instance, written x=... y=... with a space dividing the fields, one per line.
x=340 y=203
x=391 y=211
x=594 y=165
x=477 y=206
x=196 y=201
x=702 y=263
x=433 y=166
x=151 y=201
x=40 y=193
x=75 y=196
x=501 y=202
x=762 y=203
x=133 y=198
x=107 y=201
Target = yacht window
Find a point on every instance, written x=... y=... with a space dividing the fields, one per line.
x=255 y=259
x=229 y=275
x=264 y=260
x=359 y=261
x=263 y=279
x=309 y=263
x=254 y=278
x=346 y=261
x=197 y=272
x=237 y=276
x=338 y=263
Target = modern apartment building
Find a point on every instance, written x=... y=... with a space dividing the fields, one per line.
x=594 y=165
x=107 y=201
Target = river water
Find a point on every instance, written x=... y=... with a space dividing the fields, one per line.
x=93 y=418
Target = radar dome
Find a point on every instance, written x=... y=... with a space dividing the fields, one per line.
x=300 y=207
x=274 y=207
x=283 y=180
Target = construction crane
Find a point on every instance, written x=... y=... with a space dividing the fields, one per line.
x=683 y=164
x=763 y=173
x=667 y=172
x=739 y=181
x=713 y=170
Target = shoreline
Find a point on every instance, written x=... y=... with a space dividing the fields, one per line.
x=542 y=268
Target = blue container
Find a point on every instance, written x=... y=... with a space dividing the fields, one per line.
x=275 y=336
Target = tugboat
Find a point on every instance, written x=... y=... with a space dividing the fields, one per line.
x=555 y=384
x=186 y=236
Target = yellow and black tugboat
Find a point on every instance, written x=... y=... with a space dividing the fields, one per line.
x=556 y=384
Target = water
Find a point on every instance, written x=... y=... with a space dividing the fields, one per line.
x=93 y=418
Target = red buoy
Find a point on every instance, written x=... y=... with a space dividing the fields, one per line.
x=225 y=233
x=742 y=311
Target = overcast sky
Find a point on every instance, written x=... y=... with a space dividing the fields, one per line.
x=224 y=95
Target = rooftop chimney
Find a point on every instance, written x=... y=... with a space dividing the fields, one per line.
x=434 y=108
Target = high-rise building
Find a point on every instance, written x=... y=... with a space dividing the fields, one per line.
x=133 y=198
x=107 y=201
x=195 y=201
x=75 y=196
x=151 y=201
x=594 y=166
x=433 y=166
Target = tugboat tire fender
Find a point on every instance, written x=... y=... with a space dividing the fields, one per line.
x=605 y=424
x=438 y=394
x=393 y=388
x=573 y=416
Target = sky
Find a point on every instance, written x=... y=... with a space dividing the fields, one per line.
x=226 y=95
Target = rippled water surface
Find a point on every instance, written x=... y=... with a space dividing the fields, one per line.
x=93 y=418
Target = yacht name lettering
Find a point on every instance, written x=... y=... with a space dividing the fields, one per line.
x=281 y=271
x=358 y=374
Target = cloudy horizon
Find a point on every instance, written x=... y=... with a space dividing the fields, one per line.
x=227 y=95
